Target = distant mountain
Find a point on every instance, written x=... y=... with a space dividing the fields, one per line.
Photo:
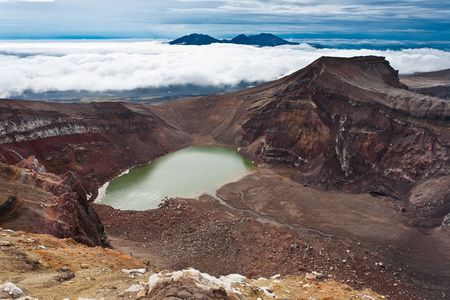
x=241 y=39
x=262 y=40
x=195 y=39
x=267 y=40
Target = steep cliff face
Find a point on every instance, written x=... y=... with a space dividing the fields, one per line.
x=351 y=122
x=42 y=202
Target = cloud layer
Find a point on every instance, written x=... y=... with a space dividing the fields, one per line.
x=101 y=66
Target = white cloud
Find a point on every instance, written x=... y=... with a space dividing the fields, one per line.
x=100 y=66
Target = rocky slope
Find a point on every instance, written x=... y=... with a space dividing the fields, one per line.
x=94 y=141
x=42 y=267
x=41 y=202
x=435 y=84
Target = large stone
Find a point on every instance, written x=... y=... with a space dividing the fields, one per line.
x=10 y=290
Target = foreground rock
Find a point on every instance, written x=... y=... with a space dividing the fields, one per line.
x=10 y=290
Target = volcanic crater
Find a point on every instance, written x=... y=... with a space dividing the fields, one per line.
x=354 y=178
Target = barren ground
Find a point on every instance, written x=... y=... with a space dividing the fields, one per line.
x=48 y=268
x=264 y=225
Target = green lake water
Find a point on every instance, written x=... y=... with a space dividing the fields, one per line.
x=185 y=173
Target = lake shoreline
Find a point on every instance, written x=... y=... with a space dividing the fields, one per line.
x=187 y=173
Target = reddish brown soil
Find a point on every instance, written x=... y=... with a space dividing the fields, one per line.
x=354 y=239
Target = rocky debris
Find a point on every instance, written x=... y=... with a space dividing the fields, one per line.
x=10 y=290
x=216 y=239
x=314 y=275
x=135 y=288
x=105 y=279
x=31 y=163
x=65 y=275
x=134 y=272
x=446 y=222
x=6 y=243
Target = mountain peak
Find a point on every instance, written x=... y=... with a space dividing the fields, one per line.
x=241 y=39
x=262 y=40
x=269 y=40
x=195 y=39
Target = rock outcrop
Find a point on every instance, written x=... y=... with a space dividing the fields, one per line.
x=48 y=203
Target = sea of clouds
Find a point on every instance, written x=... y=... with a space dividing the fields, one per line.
x=41 y=66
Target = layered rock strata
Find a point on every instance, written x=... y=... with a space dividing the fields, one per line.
x=435 y=84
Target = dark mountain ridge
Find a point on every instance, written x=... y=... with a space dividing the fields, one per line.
x=195 y=39
x=262 y=40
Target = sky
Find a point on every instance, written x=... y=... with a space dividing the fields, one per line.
x=380 y=19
